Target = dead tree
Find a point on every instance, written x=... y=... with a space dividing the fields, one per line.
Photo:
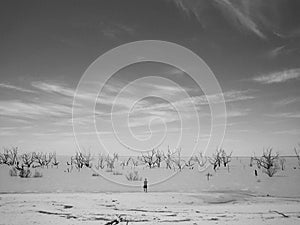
x=169 y=158
x=70 y=165
x=100 y=162
x=159 y=157
x=149 y=159
x=200 y=160
x=78 y=161
x=190 y=163
x=27 y=159
x=226 y=159
x=282 y=162
x=55 y=162
x=47 y=159
x=251 y=161
x=9 y=156
x=268 y=162
x=110 y=161
x=134 y=162
x=39 y=159
x=297 y=152
x=216 y=159
x=178 y=161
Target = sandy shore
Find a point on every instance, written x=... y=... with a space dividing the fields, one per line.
x=148 y=208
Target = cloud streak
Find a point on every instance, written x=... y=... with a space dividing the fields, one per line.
x=16 y=88
x=278 y=77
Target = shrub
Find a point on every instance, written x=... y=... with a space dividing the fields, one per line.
x=133 y=176
x=37 y=174
x=25 y=173
x=117 y=173
x=13 y=172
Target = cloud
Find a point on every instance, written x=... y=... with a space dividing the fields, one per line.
x=13 y=87
x=278 y=77
x=53 y=88
x=115 y=30
x=19 y=109
x=286 y=115
x=238 y=14
x=288 y=132
x=286 y=101
x=240 y=19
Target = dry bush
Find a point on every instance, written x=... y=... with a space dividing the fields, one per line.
x=133 y=176
x=25 y=173
x=117 y=173
x=13 y=172
x=37 y=174
x=269 y=162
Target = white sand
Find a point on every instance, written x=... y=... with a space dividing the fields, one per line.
x=235 y=197
x=148 y=208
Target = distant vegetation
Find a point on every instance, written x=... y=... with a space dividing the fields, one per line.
x=22 y=163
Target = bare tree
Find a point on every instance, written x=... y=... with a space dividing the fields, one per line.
x=78 y=161
x=190 y=163
x=297 y=152
x=200 y=160
x=251 y=161
x=169 y=158
x=178 y=161
x=9 y=156
x=134 y=162
x=282 y=162
x=110 y=161
x=268 y=162
x=39 y=159
x=159 y=157
x=216 y=159
x=47 y=159
x=220 y=157
x=28 y=159
x=55 y=162
x=101 y=161
x=149 y=159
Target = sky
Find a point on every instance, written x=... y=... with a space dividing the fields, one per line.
x=251 y=46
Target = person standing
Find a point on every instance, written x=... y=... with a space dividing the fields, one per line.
x=145 y=185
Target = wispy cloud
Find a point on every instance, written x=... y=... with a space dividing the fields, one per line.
x=288 y=132
x=239 y=18
x=16 y=88
x=286 y=101
x=237 y=14
x=19 y=109
x=278 y=77
x=53 y=88
x=286 y=115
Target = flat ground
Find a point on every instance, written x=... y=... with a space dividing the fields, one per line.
x=148 y=208
x=228 y=197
